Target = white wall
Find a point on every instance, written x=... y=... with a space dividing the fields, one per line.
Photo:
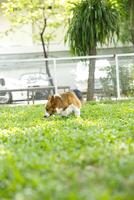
x=22 y=36
x=21 y=40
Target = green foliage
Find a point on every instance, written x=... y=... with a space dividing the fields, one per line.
x=109 y=82
x=90 y=157
x=126 y=79
x=20 y=12
x=92 y=22
x=126 y=10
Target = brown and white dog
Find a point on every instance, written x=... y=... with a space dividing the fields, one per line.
x=63 y=104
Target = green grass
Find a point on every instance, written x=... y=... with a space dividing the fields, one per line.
x=86 y=158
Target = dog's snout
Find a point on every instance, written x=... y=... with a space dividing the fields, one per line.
x=46 y=114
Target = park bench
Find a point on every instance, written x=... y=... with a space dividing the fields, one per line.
x=33 y=90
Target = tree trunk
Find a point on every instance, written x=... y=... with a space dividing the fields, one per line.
x=45 y=55
x=46 y=62
x=91 y=77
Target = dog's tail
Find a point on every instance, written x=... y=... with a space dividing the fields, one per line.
x=78 y=93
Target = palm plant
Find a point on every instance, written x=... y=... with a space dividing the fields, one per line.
x=92 y=22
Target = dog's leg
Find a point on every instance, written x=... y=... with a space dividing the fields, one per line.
x=67 y=111
x=71 y=109
x=64 y=113
x=59 y=111
x=77 y=111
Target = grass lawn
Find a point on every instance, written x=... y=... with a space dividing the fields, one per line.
x=86 y=158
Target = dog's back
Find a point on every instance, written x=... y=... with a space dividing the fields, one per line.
x=70 y=98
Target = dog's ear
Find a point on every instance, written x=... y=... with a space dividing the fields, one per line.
x=52 y=98
x=49 y=97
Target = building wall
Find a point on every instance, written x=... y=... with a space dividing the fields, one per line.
x=21 y=42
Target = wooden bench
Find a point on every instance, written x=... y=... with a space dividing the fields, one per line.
x=34 y=89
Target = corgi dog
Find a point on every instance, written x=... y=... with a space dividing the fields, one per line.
x=64 y=104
